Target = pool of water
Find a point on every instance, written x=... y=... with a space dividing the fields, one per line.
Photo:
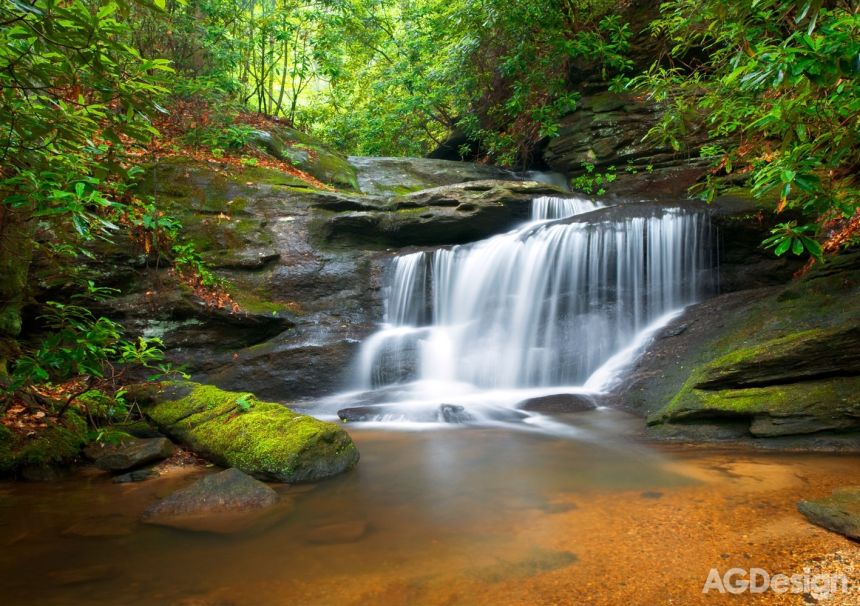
x=464 y=515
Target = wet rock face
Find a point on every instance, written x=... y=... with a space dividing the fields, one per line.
x=839 y=512
x=216 y=503
x=452 y=214
x=302 y=306
x=607 y=129
x=767 y=363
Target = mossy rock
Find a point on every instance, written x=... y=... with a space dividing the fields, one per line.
x=786 y=363
x=831 y=404
x=307 y=154
x=263 y=439
x=840 y=512
x=56 y=446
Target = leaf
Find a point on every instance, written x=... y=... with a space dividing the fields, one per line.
x=783 y=247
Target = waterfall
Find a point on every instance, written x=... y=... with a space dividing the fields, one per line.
x=544 y=305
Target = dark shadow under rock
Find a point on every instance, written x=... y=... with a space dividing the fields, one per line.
x=135 y=453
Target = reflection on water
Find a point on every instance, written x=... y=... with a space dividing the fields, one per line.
x=460 y=516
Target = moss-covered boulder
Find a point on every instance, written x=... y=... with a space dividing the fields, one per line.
x=263 y=439
x=776 y=363
x=40 y=455
x=307 y=154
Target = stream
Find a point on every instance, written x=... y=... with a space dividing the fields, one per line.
x=452 y=516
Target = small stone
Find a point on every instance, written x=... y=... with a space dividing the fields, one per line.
x=83 y=574
x=558 y=403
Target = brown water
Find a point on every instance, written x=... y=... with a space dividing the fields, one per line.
x=445 y=517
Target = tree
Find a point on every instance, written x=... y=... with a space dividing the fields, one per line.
x=775 y=84
x=75 y=96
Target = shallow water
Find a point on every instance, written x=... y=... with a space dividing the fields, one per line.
x=451 y=516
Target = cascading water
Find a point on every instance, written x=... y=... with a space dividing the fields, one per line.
x=544 y=306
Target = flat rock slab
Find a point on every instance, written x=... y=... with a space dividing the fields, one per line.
x=132 y=454
x=562 y=402
x=840 y=512
x=225 y=502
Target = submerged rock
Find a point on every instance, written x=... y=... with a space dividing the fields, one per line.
x=839 y=512
x=336 y=533
x=131 y=454
x=266 y=440
x=558 y=403
x=215 y=503
x=138 y=475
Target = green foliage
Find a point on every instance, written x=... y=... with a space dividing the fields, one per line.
x=789 y=237
x=79 y=343
x=244 y=403
x=592 y=182
x=401 y=75
x=186 y=258
x=778 y=88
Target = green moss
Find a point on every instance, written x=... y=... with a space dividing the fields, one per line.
x=267 y=440
x=252 y=303
x=59 y=444
x=825 y=398
x=259 y=175
x=7 y=440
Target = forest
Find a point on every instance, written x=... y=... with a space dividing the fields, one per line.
x=199 y=189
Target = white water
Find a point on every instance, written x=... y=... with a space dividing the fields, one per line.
x=552 y=307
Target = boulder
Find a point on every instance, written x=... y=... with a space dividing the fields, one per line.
x=264 y=439
x=131 y=454
x=223 y=502
x=839 y=512
x=559 y=403
x=308 y=154
x=768 y=363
